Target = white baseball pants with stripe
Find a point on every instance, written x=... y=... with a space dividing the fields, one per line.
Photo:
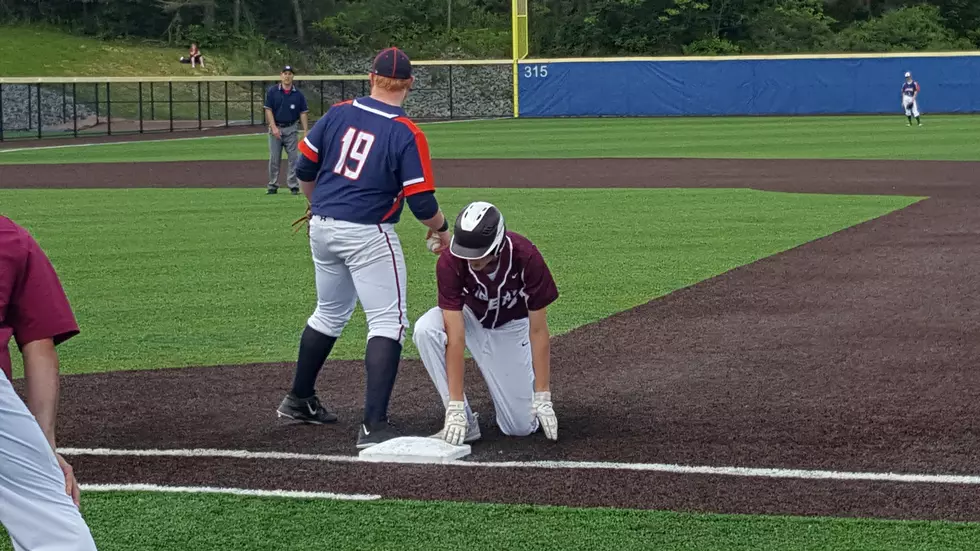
x=358 y=262
x=911 y=107
x=34 y=508
x=503 y=356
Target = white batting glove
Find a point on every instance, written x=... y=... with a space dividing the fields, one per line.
x=454 y=431
x=545 y=413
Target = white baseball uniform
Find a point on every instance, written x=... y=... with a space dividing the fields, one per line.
x=495 y=305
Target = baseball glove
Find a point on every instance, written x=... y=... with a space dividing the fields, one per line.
x=303 y=221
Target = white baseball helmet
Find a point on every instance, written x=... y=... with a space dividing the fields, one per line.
x=907 y=74
x=479 y=231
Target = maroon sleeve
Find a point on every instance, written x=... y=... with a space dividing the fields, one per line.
x=539 y=287
x=39 y=308
x=450 y=283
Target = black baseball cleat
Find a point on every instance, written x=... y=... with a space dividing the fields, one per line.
x=375 y=434
x=294 y=191
x=271 y=191
x=307 y=410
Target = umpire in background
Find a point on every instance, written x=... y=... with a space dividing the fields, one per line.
x=284 y=106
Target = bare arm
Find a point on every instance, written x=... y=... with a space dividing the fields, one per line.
x=455 y=345
x=540 y=349
x=41 y=371
x=435 y=222
x=307 y=188
x=271 y=123
x=305 y=119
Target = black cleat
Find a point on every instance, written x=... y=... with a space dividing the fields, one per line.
x=307 y=410
x=375 y=434
x=294 y=191
x=272 y=191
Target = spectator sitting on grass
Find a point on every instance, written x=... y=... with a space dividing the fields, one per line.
x=195 y=56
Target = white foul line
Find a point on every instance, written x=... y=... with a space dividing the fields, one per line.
x=803 y=474
x=229 y=491
x=129 y=142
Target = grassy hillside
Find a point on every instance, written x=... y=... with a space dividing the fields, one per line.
x=37 y=52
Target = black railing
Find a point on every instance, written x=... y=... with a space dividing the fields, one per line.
x=80 y=107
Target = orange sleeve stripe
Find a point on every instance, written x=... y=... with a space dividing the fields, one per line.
x=419 y=188
x=423 y=145
x=348 y=102
x=308 y=152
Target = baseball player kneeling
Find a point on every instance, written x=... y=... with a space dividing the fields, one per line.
x=494 y=287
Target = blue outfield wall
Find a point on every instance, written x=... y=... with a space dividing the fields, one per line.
x=746 y=87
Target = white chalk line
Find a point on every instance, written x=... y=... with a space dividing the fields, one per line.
x=229 y=491
x=130 y=142
x=776 y=473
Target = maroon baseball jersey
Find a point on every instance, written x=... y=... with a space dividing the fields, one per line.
x=33 y=305
x=519 y=282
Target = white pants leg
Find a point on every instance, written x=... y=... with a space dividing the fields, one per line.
x=358 y=262
x=503 y=356
x=34 y=508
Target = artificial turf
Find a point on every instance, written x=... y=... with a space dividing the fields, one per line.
x=178 y=277
x=160 y=521
x=872 y=137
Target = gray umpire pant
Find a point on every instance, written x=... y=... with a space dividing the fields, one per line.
x=290 y=142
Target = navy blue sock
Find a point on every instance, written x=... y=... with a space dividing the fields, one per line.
x=314 y=347
x=381 y=362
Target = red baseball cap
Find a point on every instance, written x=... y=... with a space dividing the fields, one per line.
x=392 y=63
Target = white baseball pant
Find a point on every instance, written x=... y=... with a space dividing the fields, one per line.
x=358 y=262
x=503 y=356
x=911 y=106
x=34 y=508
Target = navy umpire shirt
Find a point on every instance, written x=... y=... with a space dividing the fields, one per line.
x=286 y=106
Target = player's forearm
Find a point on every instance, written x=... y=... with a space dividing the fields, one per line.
x=435 y=223
x=41 y=374
x=305 y=119
x=269 y=120
x=541 y=358
x=307 y=188
x=455 y=368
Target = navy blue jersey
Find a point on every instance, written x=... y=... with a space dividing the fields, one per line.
x=286 y=106
x=910 y=88
x=368 y=158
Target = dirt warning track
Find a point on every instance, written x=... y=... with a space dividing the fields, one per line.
x=854 y=353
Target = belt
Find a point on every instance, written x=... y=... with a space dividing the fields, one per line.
x=282 y=124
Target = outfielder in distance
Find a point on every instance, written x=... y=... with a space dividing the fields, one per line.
x=360 y=163
x=494 y=289
x=910 y=99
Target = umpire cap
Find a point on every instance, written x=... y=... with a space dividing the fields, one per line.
x=479 y=231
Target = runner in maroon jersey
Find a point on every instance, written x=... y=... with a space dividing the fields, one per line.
x=494 y=289
x=39 y=495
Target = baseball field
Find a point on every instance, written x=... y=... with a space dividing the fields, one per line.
x=767 y=338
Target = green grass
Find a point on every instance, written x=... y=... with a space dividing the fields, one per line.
x=168 y=277
x=942 y=138
x=31 y=51
x=130 y=521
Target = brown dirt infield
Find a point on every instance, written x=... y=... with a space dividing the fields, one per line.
x=855 y=352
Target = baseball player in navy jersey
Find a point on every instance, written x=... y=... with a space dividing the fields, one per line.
x=359 y=164
x=494 y=290
x=910 y=99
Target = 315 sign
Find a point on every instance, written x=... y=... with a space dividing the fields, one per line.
x=535 y=71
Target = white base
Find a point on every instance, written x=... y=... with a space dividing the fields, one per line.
x=414 y=449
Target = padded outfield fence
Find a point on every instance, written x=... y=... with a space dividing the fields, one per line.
x=33 y=108
x=858 y=84
x=472 y=89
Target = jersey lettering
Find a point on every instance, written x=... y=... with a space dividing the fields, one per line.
x=356 y=147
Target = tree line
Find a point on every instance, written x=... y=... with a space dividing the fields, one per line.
x=481 y=28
